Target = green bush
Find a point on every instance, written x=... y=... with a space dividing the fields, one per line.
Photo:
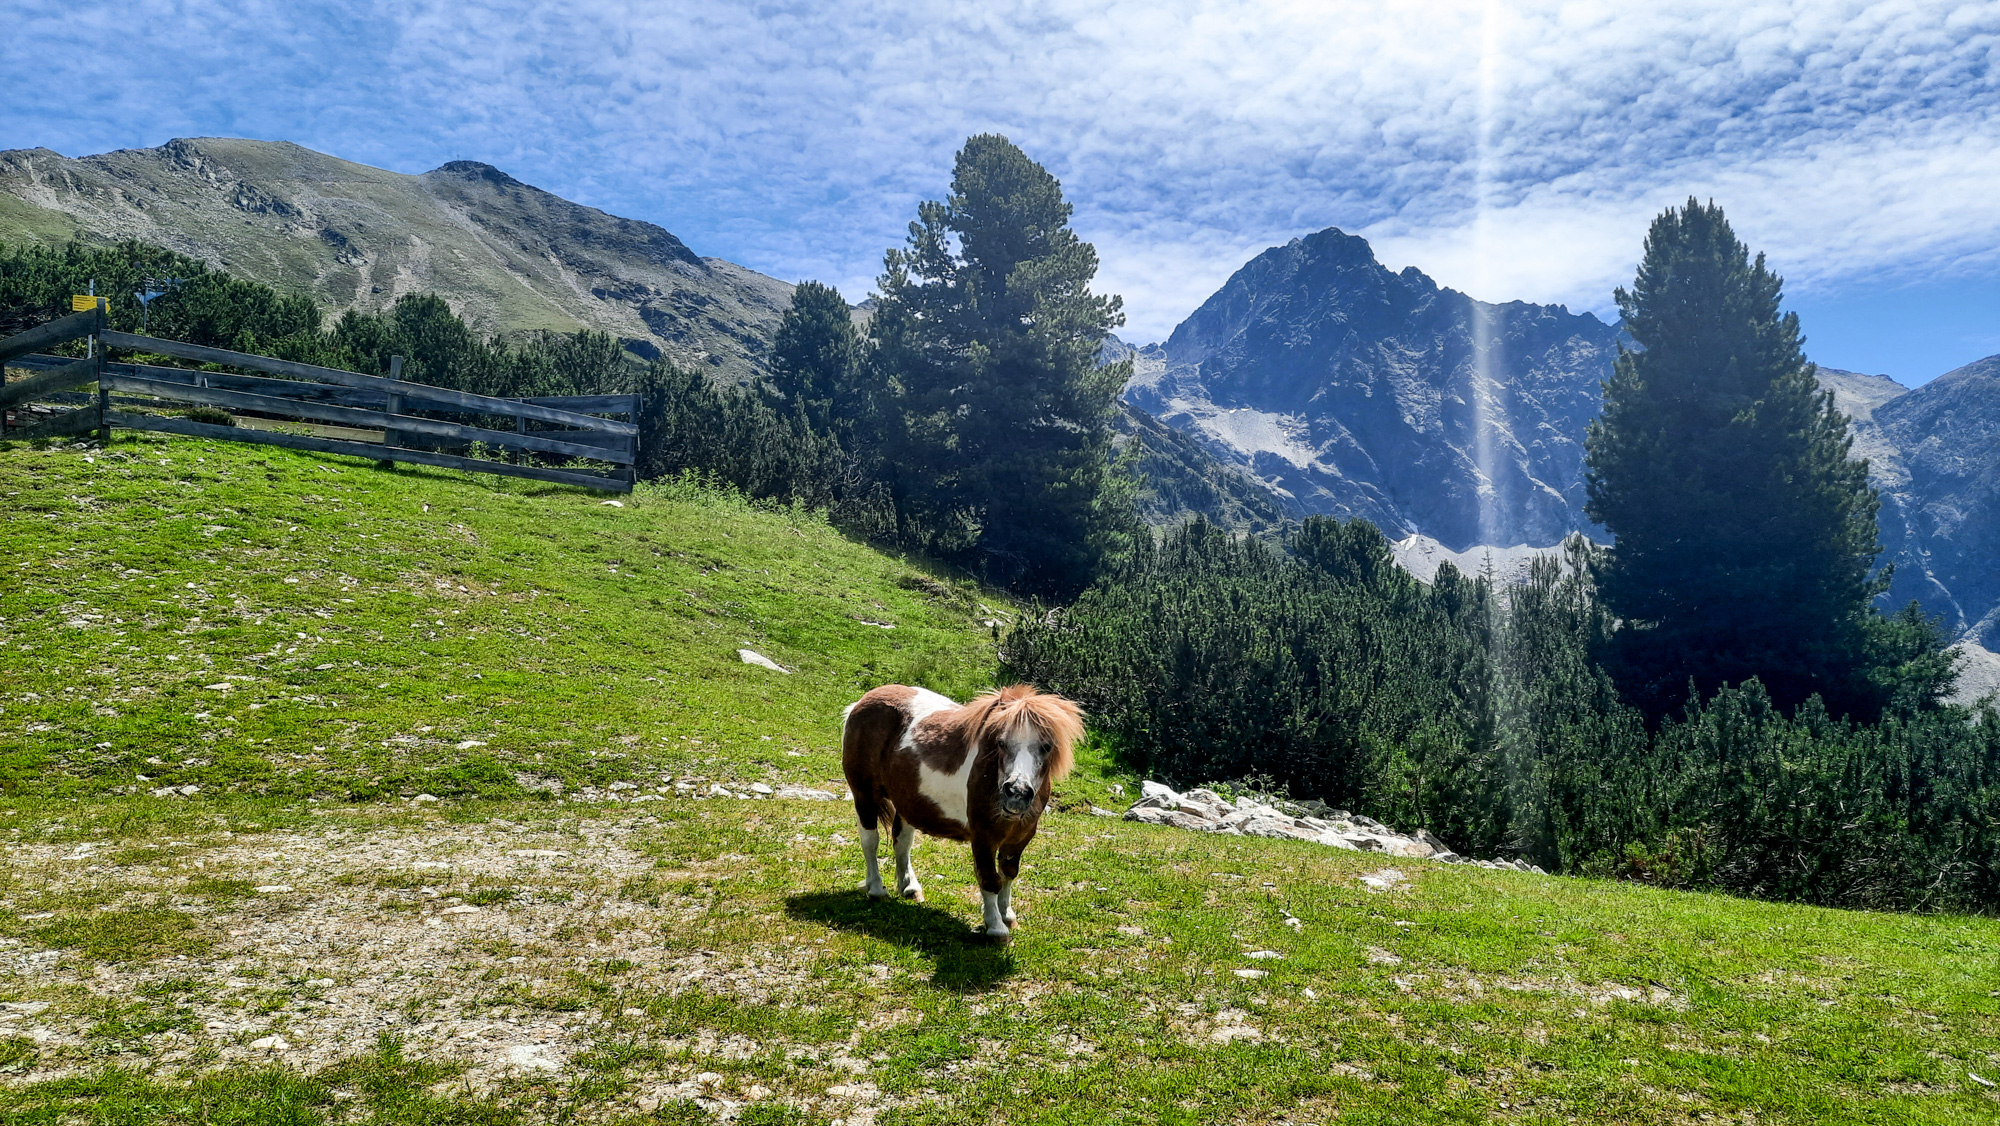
x=1483 y=716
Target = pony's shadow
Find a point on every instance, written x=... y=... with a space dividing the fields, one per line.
x=963 y=960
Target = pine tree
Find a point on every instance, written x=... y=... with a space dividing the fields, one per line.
x=817 y=358
x=1745 y=532
x=990 y=335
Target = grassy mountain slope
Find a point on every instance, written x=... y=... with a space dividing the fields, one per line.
x=272 y=946
x=195 y=602
x=507 y=256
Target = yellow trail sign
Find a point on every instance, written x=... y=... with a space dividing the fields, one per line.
x=83 y=303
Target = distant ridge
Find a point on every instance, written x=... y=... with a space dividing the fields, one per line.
x=506 y=255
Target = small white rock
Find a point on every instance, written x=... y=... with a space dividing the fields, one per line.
x=760 y=788
x=468 y=744
x=532 y=1057
x=273 y=1043
x=272 y=889
x=461 y=909
x=1263 y=955
x=611 y=503
x=1253 y=973
x=424 y=798
x=752 y=657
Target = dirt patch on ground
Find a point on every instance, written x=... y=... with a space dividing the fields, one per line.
x=505 y=949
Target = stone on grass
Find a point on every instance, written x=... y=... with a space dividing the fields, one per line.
x=532 y=1057
x=752 y=657
x=1205 y=811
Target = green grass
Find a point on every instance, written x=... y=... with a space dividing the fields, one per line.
x=696 y=960
x=251 y=620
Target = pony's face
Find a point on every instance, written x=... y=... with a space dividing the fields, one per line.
x=1024 y=750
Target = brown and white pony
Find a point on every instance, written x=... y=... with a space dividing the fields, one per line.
x=978 y=773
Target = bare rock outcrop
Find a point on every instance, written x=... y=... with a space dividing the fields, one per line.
x=1206 y=811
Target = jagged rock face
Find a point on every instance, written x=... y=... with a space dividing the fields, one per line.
x=506 y=255
x=1354 y=391
x=1935 y=456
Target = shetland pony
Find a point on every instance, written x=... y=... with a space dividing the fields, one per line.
x=978 y=772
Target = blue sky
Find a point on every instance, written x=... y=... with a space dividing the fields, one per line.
x=1512 y=150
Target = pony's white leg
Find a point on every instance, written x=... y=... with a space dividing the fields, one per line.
x=996 y=923
x=1007 y=902
x=906 y=873
x=870 y=838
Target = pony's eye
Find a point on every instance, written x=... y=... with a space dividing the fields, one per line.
x=1046 y=748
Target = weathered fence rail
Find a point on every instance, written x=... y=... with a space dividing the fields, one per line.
x=569 y=426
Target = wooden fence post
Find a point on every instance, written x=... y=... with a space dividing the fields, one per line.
x=395 y=406
x=103 y=403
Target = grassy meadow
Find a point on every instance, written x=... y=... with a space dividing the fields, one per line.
x=230 y=677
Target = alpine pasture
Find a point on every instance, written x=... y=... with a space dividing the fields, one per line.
x=321 y=801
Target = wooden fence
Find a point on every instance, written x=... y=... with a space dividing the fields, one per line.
x=367 y=413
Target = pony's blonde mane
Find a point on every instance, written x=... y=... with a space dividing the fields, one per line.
x=1002 y=710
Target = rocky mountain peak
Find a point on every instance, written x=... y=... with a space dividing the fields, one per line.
x=1356 y=391
x=475 y=170
x=1457 y=426
x=1934 y=453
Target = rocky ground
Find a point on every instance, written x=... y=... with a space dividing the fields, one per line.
x=1206 y=811
x=694 y=949
x=488 y=946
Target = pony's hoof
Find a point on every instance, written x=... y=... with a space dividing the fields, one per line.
x=1013 y=924
x=914 y=895
x=876 y=893
x=998 y=938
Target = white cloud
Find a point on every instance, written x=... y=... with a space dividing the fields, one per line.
x=1845 y=138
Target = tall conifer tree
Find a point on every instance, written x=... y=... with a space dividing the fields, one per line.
x=990 y=333
x=1745 y=532
x=817 y=357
